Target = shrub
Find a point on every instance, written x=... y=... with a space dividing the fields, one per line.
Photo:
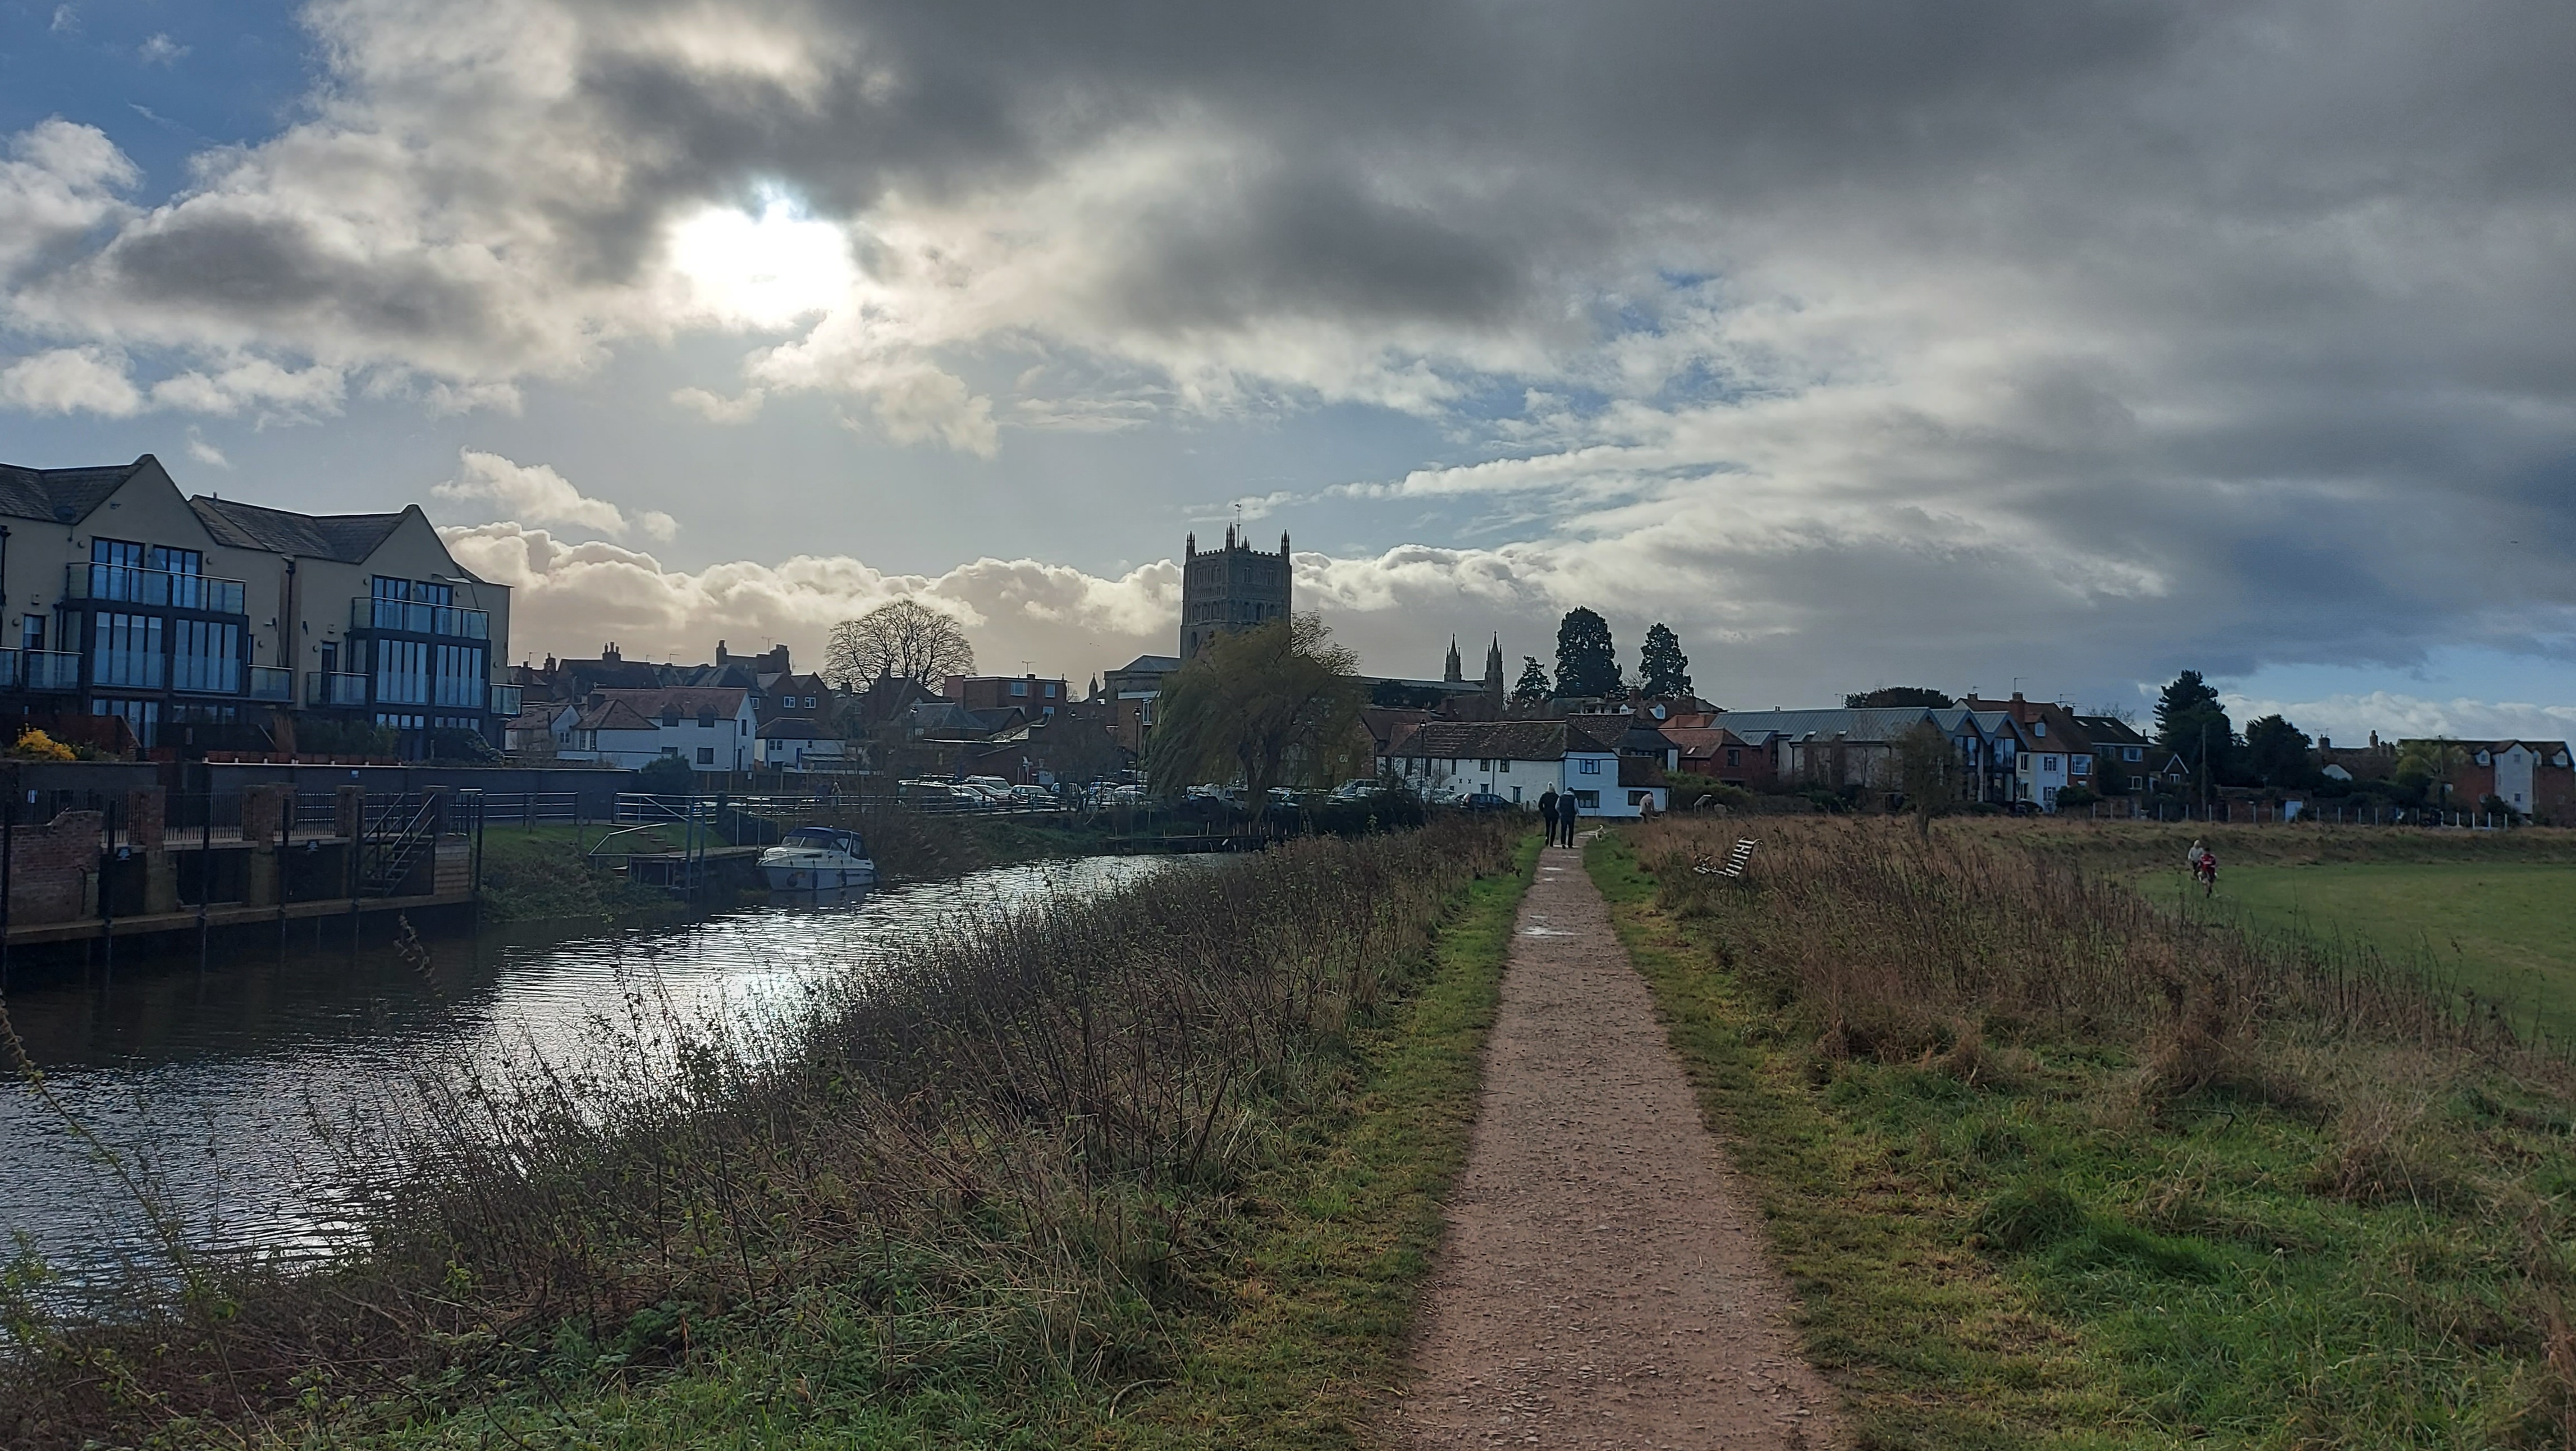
x=35 y=745
x=666 y=776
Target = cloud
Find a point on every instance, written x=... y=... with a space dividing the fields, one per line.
x=2352 y=717
x=206 y=453
x=2087 y=337
x=740 y=409
x=59 y=184
x=567 y=597
x=161 y=50
x=535 y=493
x=71 y=380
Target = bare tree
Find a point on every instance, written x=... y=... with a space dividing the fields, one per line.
x=907 y=640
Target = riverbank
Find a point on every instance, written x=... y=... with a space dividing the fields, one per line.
x=2053 y=1165
x=542 y=873
x=1134 y=1167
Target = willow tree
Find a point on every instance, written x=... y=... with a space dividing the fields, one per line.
x=1273 y=705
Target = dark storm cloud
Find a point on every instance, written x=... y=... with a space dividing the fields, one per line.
x=2166 y=333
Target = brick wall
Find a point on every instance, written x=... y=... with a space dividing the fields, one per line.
x=51 y=868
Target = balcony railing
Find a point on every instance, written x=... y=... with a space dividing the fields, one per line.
x=331 y=688
x=39 y=670
x=367 y=612
x=206 y=674
x=272 y=682
x=505 y=700
x=130 y=585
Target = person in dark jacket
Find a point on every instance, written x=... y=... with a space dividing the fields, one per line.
x=1566 y=815
x=1547 y=813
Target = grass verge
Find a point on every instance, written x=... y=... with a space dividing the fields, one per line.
x=1160 y=1169
x=2049 y=1167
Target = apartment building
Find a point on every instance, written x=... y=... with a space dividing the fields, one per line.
x=125 y=598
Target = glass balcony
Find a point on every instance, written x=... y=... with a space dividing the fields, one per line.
x=331 y=688
x=127 y=584
x=271 y=682
x=505 y=700
x=206 y=674
x=39 y=670
x=414 y=618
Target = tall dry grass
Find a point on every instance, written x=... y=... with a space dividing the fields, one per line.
x=1899 y=945
x=987 y=1163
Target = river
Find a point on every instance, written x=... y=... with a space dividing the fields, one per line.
x=210 y=1085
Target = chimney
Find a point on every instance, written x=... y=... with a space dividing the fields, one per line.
x=2325 y=743
x=608 y=654
x=720 y=652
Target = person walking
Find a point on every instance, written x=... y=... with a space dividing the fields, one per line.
x=1565 y=817
x=1547 y=813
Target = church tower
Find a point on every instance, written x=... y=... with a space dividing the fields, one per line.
x=1493 y=674
x=1230 y=588
x=1453 y=673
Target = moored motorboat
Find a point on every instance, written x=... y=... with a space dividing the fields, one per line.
x=818 y=859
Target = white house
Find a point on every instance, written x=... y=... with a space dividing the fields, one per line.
x=792 y=743
x=712 y=728
x=1516 y=760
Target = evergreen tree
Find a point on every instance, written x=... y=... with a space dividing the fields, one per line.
x=2193 y=725
x=1587 y=659
x=1662 y=668
x=1889 y=697
x=1533 y=687
x=2277 y=752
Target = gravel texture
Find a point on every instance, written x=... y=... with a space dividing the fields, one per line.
x=1603 y=1280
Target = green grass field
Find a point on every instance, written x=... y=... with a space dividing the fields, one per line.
x=2504 y=931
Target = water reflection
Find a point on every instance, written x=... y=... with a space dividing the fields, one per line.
x=210 y=1083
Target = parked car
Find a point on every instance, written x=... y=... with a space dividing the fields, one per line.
x=1485 y=801
x=1032 y=796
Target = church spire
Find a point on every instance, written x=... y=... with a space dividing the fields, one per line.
x=1453 y=672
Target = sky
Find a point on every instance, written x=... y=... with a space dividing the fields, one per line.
x=2044 y=344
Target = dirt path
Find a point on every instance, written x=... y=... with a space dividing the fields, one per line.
x=1603 y=1282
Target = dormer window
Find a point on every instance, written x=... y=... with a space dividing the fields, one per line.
x=2039 y=728
x=670 y=715
x=707 y=716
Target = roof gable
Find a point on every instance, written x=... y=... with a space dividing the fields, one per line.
x=67 y=496
x=345 y=538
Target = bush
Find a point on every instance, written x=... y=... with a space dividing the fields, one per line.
x=345 y=738
x=1688 y=788
x=35 y=745
x=667 y=776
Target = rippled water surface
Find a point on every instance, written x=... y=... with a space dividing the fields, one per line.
x=209 y=1084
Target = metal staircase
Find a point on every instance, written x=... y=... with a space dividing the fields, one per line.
x=397 y=837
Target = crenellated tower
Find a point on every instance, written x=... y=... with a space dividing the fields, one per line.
x=1230 y=588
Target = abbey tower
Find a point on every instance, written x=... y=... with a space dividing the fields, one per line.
x=1229 y=588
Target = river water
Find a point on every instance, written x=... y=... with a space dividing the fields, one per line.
x=209 y=1086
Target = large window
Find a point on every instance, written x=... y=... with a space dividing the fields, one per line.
x=126 y=650
x=402 y=672
x=143 y=717
x=206 y=657
x=460 y=676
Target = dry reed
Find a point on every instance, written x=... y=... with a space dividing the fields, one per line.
x=996 y=1157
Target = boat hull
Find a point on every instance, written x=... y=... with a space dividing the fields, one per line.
x=818 y=877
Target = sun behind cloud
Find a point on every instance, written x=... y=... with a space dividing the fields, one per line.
x=762 y=272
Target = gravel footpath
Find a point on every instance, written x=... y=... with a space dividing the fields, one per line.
x=1603 y=1280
